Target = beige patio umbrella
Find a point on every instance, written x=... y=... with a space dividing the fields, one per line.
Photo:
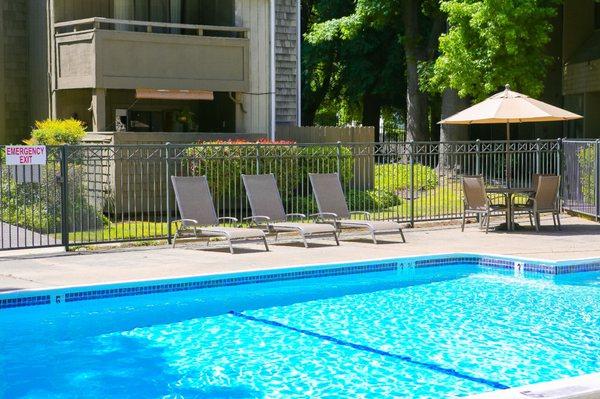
x=509 y=107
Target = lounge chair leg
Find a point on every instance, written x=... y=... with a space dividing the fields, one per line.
x=554 y=220
x=374 y=238
x=558 y=220
x=335 y=236
x=530 y=219
x=402 y=235
x=487 y=223
x=537 y=222
x=230 y=247
x=463 y=222
x=305 y=242
x=174 y=239
x=276 y=236
x=266 y=245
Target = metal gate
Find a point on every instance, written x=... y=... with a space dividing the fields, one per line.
x=31 y=202
x=580 y=183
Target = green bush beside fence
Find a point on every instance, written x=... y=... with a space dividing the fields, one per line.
x=587 y=171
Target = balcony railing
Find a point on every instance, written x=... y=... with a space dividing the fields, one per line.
x=119 y=54
x=89 y=24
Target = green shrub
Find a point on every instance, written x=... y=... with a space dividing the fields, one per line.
x=587 y=169
x=395 y=177
x=37 y=205
x=224 y=162
x=372 y=200
x=57 y=132
x=369 y=200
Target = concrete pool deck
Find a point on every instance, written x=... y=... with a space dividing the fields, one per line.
x=579 y=239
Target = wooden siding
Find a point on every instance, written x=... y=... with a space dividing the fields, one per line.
x=130 y=60
x=254 y=14
x=325 y=134
x=581 y=77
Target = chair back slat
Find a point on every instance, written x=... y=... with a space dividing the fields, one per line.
x=474 y=192
x=328 y=192
x=546 y=195
x=194 y=199
x=264 y=196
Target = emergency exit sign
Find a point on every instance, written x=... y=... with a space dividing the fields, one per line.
x=25 y=154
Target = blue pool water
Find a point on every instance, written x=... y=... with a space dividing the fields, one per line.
x=436 y=332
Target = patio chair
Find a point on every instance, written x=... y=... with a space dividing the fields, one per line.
x=477 y=201
x=545 y=200
x=267 y=209
x=197 y=212
x=332 y=205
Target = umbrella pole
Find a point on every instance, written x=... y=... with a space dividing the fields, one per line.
x=508 y=157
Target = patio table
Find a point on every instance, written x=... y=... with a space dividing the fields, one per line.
x=509 y=193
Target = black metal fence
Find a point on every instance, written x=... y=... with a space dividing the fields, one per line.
x=581 y=181
x=91 y=194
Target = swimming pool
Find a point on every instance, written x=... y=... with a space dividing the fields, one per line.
x=410 y=328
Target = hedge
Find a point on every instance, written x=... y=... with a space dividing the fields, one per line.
x=224 y=162
x=395 y=177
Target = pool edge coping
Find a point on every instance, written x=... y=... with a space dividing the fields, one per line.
x=309 y=266
x=585 y=386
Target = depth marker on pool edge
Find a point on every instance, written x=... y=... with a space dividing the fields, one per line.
x=430 y=366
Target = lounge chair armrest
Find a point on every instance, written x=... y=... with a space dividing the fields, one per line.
x=258 y=219
x=193 y=221
x=367 y=215
x=324 y=215
x=231 y=218
x=298 y=215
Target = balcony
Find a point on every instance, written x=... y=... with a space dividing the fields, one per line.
x=118 y=54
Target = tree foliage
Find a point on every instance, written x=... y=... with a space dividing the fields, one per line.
x=493 y=42
x=352 y=61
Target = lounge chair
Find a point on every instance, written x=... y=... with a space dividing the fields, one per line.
x=197 y=212
x=477 y=201
x=545 y=200
x=332 y=205
x=267 y=210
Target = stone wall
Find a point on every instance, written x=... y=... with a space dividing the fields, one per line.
x=286 y=61
x=14 y=85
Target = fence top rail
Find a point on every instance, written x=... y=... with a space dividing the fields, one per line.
x=581 y=141
x=330 y=144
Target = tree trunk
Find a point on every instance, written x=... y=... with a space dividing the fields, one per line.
x=451 y=104
x=311 y=101
x=371 y=113
x=416 y=101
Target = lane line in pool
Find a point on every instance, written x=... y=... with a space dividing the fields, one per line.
x=407 y=359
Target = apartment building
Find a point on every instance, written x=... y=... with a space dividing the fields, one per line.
x=152 y=67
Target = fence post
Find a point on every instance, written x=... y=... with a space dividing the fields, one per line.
x=559 y=169
x=597 y=179
x=168 y=191
x=339 y=156
x=64 y=197
x=538 y=157
x=412 y=184
x=257 y=156
x=478 y=158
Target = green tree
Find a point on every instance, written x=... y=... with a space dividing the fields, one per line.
x=373 y=54
x=493 y=42
x=368 y=64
